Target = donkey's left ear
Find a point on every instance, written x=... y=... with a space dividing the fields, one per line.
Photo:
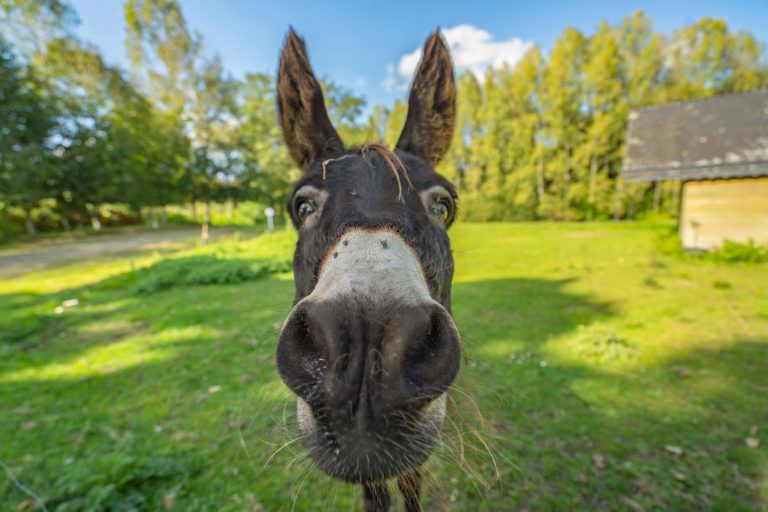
x=307 y=129
x=432 y=104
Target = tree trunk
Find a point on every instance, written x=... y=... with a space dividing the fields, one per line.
x=29 y=224
x=540 y=179
x=617 y=198
x=65 y=223
x=230 y=210
x=194 y=210
x=206 y=222
x=592 y=178
x=656 y=196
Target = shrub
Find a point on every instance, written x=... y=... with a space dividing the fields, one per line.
x=204 y=270
x=669 y=244
x=735 y=252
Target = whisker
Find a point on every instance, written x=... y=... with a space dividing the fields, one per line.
x=284 y=446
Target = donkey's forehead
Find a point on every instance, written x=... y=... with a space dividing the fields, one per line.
x=372 y=171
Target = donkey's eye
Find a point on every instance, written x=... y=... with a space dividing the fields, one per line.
x=440 y=209
x=305 y=208
x=439 y=204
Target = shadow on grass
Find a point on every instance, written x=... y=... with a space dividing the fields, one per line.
x=194 y=383
x=575 y=432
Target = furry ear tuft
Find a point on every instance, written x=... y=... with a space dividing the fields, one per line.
x=431 y=116
x=307 y=129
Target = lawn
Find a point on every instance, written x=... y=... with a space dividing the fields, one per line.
x=601 y=373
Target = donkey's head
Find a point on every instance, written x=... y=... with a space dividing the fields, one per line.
x=370 y=347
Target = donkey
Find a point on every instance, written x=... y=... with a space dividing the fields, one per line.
x=370 y=347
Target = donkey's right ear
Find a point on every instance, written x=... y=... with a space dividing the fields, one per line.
x=307 y=129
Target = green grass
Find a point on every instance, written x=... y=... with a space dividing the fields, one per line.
x=610 y=375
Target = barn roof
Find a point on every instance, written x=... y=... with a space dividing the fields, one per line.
x=717 y=137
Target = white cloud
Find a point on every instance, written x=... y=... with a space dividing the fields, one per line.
x=472 y=48
x=390 y=82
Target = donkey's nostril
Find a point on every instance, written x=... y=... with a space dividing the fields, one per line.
x=432 y=358
x=347 y=354
x=301 y=356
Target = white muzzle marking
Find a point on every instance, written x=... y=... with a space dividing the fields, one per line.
x=373 y=264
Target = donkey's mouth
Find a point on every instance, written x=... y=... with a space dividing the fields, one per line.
x=385 y=449
x=369 y=354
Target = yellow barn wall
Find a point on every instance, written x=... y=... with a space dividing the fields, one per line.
x=716 y=210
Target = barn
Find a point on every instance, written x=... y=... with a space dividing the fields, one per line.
x=718 y=148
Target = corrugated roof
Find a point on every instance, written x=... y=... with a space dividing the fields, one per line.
x=717 y=137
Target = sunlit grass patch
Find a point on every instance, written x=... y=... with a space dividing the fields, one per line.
x=112 y=357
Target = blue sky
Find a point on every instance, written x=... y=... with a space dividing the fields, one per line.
x=369 y=46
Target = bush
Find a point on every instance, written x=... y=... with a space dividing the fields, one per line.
x=735 y=252
x=730 y=252
x=204 y=270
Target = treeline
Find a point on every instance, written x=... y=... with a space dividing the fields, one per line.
x=545 y=139
x=83 y=142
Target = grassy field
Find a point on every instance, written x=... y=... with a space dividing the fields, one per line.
x=601 y=374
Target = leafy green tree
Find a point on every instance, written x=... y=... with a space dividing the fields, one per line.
x=376 y=125
x=395 y=122
x=27 y=119
x=112 y=143
x=458 y=162
x=643 y=56
x=345 y=110
x=607 y=108
x=32 y=24
x=522 y=122
x=170 y=62
x=270 y=170
x=564 y=120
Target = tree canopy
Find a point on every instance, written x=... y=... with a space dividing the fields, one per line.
x=541 y=140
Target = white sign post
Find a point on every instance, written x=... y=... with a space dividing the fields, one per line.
x=269 y=212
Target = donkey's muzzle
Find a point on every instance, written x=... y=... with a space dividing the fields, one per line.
x=370 y=354
x=362 y=362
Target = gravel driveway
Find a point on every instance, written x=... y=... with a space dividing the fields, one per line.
x=19 y=260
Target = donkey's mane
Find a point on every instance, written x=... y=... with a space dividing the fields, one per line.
x=394 y=163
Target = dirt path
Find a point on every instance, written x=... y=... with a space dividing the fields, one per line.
x=41 y=255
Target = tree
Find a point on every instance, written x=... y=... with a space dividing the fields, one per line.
x=170 y=62
x=607 y=108
x=458 y=162
x=345 y=110
x=111 y=142
x=563 y=117
x=27 y=120
x=32 y=24
x=395 y=122
x=270 y=170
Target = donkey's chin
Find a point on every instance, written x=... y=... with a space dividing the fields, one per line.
x=400 y=443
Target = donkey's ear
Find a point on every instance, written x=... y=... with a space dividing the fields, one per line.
x=307 y=130
x=432 y=104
